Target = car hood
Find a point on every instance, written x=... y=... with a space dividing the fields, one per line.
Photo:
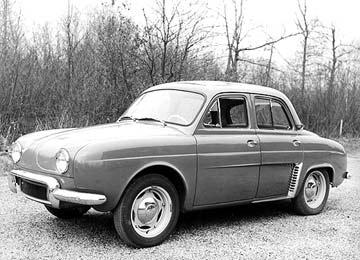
x=39 y=149
x=110 y=132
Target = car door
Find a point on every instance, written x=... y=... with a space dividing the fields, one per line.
x=228 y=152
x=280 y=146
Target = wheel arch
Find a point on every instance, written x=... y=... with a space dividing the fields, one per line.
x=167 y=170
x=302 y=204
x=325 y=166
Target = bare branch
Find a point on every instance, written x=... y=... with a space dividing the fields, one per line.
x=269 y=43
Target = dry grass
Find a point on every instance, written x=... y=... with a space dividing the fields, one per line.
x=352 y=145
x=5 y=164
x=5 y=161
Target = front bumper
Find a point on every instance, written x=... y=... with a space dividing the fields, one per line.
x=52 y=193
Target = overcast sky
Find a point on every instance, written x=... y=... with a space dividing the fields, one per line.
x=274 y=17
x=343 y=13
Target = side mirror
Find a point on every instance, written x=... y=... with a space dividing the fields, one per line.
x=299 y=127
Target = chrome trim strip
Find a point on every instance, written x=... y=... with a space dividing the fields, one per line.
x=275 y=163
x=233 y=166
x=323 y=151
x=54 y=193
x=229 y=153
x=173 y=156
x=307 y=151
x=144 y=157
x=271 y=199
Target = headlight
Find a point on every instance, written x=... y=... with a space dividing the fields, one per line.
x=16 y=151
x=62 y=160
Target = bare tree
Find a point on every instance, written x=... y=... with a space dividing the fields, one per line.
x=170 y=39
x=72 y=39
x=303 y=24
x=5 y=7
x=11 y=50
x=91 y=70
x=117 y=50
x=235 y=37
x=311 y=45
x=237 y=33
x=268 y=67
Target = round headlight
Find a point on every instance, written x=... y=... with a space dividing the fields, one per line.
x=16 y=151
x=62 y=160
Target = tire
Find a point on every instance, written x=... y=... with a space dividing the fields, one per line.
x=68 y=213
x=313 y=194
x=148 y=211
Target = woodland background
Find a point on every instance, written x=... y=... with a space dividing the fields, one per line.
x=90 y=70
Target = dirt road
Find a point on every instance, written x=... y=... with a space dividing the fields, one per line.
x=262 y=231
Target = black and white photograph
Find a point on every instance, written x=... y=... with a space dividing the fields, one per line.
x=179 y=129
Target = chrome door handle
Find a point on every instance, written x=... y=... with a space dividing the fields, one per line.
x=252 y=143
x=296 y=143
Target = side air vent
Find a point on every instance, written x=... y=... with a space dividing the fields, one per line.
x=294 y=179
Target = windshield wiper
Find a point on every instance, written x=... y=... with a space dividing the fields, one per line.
x=151 y=119
x=142 y=118
x=127 y=118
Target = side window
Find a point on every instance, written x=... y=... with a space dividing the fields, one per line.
x=270 y=114
x=212 y=118
x=263 y=113
x=233 y=112
x=280 y=118
x=227 y=113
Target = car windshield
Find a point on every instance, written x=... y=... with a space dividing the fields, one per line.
x=170 y=106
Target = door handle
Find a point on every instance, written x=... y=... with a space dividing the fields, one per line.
x=252 y=143
x=296 y=143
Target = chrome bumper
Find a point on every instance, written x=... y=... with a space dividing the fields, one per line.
x=54 y=193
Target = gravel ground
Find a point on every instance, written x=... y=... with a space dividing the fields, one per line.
x=262 y=231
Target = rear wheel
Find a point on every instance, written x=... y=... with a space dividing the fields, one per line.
x=313 y=195
x=68 y=213
x=148 y=211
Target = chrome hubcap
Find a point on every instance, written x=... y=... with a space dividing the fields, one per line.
x=147 y=210
x=151 y=211
x=315 y=189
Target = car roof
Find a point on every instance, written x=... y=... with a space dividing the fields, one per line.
x=211 y=88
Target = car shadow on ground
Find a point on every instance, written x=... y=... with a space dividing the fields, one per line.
x=96 y=224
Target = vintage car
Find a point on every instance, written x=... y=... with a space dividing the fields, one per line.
x=180 y=147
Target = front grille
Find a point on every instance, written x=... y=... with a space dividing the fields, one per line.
x=33 y=189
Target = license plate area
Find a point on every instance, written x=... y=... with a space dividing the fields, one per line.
x=33 y=189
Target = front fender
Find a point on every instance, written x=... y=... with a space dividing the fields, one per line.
x=109 y=168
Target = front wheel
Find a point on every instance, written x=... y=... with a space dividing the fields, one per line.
x=68 y=213
x=148 y=211
x=313 y=195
